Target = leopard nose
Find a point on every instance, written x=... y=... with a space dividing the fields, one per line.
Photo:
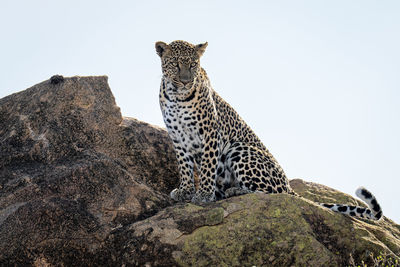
x=185 y=80
x=184 y=77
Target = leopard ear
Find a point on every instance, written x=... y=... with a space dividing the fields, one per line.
x=161 y=48
x=200 y=48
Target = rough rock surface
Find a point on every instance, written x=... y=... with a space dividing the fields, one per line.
x=82 y=186
x=72 y=169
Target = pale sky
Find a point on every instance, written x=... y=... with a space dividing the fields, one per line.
x=318 y=81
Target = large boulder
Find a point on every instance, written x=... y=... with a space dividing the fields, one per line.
x=80 y=185
x=72 y=169
x=255 y=230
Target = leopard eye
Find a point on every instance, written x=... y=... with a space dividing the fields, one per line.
x=193 y=64
x=175 y=64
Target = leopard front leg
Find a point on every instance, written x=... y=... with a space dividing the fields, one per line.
x=186 y=188
x=208 y=167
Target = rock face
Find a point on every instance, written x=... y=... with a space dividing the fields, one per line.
x=72 y=169
x=82 y=186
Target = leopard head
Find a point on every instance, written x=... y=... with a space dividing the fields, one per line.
x=180 y=61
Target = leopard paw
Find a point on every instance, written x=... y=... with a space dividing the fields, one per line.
x=203 y=197
x=181 y=195
x=236 y=191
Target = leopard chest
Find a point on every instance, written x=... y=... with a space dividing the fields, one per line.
x=183 y=126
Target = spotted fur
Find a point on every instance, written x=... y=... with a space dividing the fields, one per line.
x=210 y=136
x=374 y=212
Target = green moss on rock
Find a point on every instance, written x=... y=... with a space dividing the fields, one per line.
x=276 y=230
x=215 y=216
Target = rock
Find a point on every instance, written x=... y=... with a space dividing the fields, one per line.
x=254 y=230
x=150 y=155
x=72 y=169
x=82 y=186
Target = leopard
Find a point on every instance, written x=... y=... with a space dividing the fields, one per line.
x=213 y=141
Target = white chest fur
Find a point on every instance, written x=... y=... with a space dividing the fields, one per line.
x=182 y=125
